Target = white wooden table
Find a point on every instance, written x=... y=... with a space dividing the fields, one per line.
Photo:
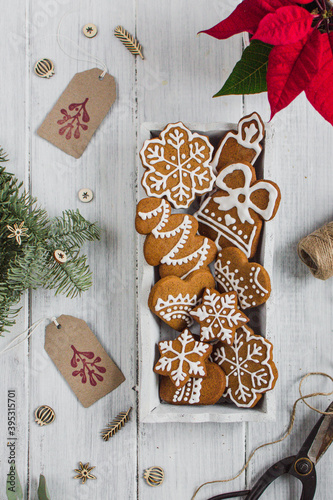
x=175 y=82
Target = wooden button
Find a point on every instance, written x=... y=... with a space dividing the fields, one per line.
x=60 y=256
x=44 y=68
x=89 y=30
x=85 y=195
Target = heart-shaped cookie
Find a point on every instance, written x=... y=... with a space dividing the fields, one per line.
x=251 y=282
x=172 y=298
x=197 y=391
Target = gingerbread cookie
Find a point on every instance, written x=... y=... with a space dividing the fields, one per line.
x=183 y=358
x=172 y=242
x=218 y=316
x=251 y=281
x=177 y=165
x=241 y=146
x=172 y=298
x=197 y=391
x=249 y=367
x=233 y=215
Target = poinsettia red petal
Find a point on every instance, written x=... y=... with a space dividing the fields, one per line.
x=291 y=68
x=286 y=25
x=319 y=91
x=245 y=17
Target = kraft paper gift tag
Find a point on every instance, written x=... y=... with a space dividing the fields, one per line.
x=81 y=359
x=79 y=111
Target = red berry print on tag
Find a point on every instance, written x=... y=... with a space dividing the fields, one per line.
x=88 y=367
x=74 y=121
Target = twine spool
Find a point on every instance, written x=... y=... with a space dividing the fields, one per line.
x=316 y=251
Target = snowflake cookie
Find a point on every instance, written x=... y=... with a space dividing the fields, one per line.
x=241 y=145
x=183 y=358
x=177 y=165
x=233 y=215
x=218 y=316
x=248 y=366
x=172 y=298
x=172 y=242
x=251 y=281
x=197 y=391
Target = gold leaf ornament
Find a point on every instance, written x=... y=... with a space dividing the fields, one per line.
x=113 y=427
x=154 y=476
x=129 y=41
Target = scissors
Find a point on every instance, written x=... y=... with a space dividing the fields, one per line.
x=302 y=466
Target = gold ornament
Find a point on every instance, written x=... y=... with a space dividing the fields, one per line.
x=60 y=256
x=129 y=41
x=84 y=472
x=44 y=68
x=113 y=427
x=17 y=232
x=44 y=415
x=154 y=476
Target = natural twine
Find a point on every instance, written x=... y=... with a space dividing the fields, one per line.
x=316 y=251
x=287 y=433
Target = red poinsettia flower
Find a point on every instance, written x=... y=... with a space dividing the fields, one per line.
x=301 y=59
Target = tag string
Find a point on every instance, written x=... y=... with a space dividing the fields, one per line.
x=303 y=397
x=22 y=337
x=90 y=57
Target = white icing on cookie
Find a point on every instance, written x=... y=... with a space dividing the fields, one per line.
x=230 y=281
x=185 y=228
x=182 y=175
x=190 y=393
x=256 y=274
x=176 y=307
x=249 y=359
x=220 y=316
x=180 y=364
x=241 y=241
x=240 y=198
x=248 y=142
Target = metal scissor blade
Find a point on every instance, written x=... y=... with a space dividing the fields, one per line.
x=323 y=437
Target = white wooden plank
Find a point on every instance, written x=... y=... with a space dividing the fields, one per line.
x=14 y=140
x=107 y=167
x=301 y=167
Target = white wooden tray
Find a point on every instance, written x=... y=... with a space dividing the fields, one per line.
x=151 y=329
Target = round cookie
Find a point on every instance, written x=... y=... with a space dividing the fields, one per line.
x=218 y=316
x=251 y=281
x=249 y=367
x=197 y=391
x=234 y=213
x=172 y=242
x=177 y=165
x=183 y=358
x=172 y=298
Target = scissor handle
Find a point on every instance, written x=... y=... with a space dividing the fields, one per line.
x=277 y=470
x=235 y=494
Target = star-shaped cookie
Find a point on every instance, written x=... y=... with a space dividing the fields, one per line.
x=218 y=316
x=183 y=358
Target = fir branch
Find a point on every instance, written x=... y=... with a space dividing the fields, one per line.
x=72 y=229
x=113 y=427
x=71 y=278
x=30 y=263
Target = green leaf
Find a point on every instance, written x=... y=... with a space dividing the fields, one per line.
x=249 y=74
x=43 y=492
x=13 y=485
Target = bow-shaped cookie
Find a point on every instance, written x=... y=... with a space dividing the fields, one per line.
x=243 y=192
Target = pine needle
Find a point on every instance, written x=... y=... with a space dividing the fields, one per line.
x=113 y=427
x=129 y=41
